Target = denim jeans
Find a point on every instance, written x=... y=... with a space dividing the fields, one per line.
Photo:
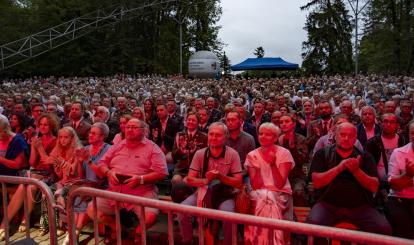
x=186 y=225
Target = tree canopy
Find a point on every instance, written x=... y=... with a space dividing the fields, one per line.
x=387 y=45
x=145 y=42
x=328 y=48
x=259 y=52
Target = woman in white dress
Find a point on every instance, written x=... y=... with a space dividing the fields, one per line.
x=268 y=167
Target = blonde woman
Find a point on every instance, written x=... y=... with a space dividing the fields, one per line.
x=65 y=164
x=268 y=167
x=138 y=113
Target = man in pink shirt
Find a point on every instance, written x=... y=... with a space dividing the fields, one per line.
x=133 y=167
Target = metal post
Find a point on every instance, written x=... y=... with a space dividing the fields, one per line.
x=5 y=204
x=95 y=221
x=181 y=48
x=356 y=38
x=170 y=229
x=26 y=210
x=118 y=225
x=143 y=225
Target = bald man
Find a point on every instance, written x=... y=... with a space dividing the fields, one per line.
x=345 y=180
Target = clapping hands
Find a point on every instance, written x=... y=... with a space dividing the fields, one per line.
x=352 y=164
x=212 y=175
x=82 y=154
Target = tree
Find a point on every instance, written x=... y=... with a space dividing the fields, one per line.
x=259 y=52
x=145 y=41
x=388 y=42
x=225 y=65
x=328 y=48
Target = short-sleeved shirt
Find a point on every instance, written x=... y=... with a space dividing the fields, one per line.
x=344 y=191
x=243 y=144
x=16 y=146
x=228 y=163
x=145 y=158
x=399 y=159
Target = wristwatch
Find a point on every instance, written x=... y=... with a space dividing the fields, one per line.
x=141 y=179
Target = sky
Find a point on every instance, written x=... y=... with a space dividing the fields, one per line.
x=276 y=25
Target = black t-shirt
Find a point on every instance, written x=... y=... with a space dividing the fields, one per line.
x=345 y=190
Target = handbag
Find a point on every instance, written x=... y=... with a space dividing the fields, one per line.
x=242 y=201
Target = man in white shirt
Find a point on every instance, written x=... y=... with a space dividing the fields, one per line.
x=400 y=205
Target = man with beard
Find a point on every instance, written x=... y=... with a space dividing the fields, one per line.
x=345 y=179
x=320 y=126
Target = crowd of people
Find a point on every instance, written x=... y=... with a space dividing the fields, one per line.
x=340 y=145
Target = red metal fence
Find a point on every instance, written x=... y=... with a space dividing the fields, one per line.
x=170 y=208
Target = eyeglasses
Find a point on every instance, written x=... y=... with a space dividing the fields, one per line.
x=94 y=134
x=390 y=122
x=133 y=127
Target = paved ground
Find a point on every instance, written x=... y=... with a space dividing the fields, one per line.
x=156 y=235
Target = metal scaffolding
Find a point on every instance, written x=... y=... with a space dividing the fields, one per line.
x=21 y=50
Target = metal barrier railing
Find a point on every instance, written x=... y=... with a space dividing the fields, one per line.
x=294 y=227
x=46 y=192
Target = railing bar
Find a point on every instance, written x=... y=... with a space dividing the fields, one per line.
x=309 y=229
x=5 y=204
x=142 y=224
x=95 y=221
x=170 y=229
x=26 y=210
x=200 y=231
x=71 y=225
x=118 y=224
x=234 y=233
x=310 y=240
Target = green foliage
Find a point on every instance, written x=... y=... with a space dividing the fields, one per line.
x=225 y=65
x=259 y=52
x=146 y=41
x=387 y=45
x=328 y=49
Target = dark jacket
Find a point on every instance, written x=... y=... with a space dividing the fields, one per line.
x=362 y=135
x=82 y=130
x=375 y=146
x=251 y=129
x=166 y=137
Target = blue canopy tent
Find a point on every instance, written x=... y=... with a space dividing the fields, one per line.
x=264 y=64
